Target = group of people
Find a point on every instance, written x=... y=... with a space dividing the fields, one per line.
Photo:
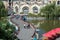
x=26 y=25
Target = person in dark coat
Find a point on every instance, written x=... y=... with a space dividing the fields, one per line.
x=23 y=18
x=28 y=26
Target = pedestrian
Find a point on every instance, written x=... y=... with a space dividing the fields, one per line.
x=34 y=38
x=24 y=25
x=28 y=26
x=23 y=18
x=37 y=35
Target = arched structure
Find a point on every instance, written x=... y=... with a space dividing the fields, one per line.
x=25 y=9
x=33 y=5
x=35 y=9
x=16 y=8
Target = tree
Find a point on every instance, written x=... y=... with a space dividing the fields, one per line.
x=6 y=29
x=3 y=11
x=7 y=32
x=51 y=11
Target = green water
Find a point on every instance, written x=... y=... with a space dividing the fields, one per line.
x=46 y=25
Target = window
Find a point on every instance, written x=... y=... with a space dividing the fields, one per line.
x=25 y=9
x=35 y=10
x=58 y=2
x=16 y=9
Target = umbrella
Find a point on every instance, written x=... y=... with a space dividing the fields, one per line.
x=47 y=35
x=50 y=33
x=57 y=30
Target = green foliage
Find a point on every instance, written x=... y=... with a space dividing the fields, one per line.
x=3 y=11
x=7 y=31
x=39 y=15
x=31 y=15
x=51 y=11
x=35 y=15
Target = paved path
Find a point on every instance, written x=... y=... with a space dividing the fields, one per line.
x=58 y=38
x=24 y=34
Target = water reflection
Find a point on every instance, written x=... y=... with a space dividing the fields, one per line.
x=45 y=25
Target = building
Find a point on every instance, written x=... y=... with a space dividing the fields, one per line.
x=27 y=6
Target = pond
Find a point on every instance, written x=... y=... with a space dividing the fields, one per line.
x=46 y=25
